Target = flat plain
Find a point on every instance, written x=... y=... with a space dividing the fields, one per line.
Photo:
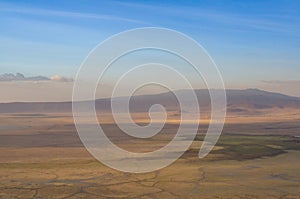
x=42 y=156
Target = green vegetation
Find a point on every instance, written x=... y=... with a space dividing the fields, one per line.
x=243 y=147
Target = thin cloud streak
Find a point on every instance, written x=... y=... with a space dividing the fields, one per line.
x=295 y=82
x=58 y=13
x=193 y=13
x=288 y=87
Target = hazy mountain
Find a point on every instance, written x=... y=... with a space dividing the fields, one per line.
x=9 y=77
x=20 y=77
x=237 y=101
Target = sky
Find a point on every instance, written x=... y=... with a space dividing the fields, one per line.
x=255 y=44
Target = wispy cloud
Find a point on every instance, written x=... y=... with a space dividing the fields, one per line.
x=282 y=82
x=288 y=87
x=66 y=14
x=251 y=22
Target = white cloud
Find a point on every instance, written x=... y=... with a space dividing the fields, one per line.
x=59 y=78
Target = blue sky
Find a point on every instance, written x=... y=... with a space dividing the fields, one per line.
x=251 y=41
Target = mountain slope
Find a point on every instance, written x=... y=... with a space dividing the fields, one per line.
x=237 y=100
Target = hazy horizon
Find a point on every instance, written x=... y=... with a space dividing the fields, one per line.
x=59 y=89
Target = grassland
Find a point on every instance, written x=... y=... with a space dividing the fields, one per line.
x=247 y=147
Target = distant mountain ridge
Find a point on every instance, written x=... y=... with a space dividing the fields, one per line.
x=237 y=101
x=20 y=77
